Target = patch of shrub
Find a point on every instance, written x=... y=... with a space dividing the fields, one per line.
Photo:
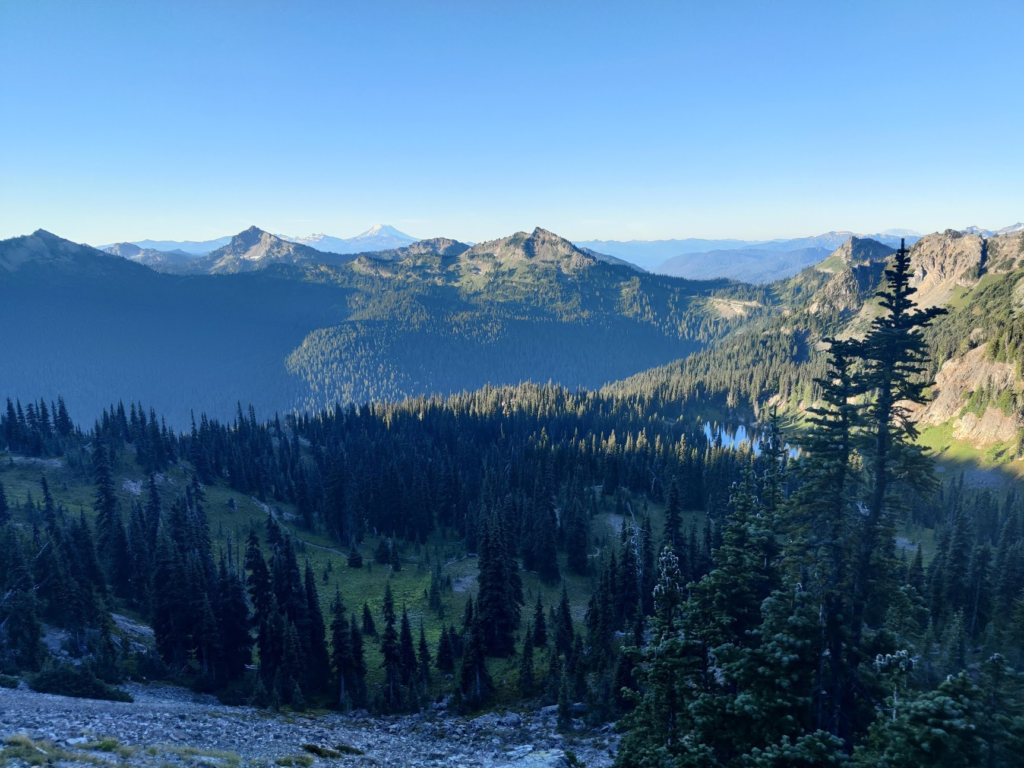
x=316 y=749
x=291 y=761
x=65 y=679
x=9 y=681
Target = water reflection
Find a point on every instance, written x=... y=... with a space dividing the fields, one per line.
x=733 y=435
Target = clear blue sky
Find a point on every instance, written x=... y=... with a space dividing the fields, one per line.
x=616 y=121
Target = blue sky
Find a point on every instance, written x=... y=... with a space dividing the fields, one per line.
x=187 y=120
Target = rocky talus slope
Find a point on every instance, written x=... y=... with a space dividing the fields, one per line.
x=167 y=727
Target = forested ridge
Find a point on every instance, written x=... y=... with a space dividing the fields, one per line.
x=727 y=607
x=307 y=335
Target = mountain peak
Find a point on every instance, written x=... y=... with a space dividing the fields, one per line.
x=44 y=247
x=539 y=246
x=381 y=229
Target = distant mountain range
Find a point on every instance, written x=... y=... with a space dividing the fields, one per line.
x=379 y=237
x=751 y=261
x=973 y=230
x=754 y=261
x=282 y=325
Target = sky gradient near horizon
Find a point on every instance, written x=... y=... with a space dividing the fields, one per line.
x=187 y=120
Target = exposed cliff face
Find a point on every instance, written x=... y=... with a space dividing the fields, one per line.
x=857 y=267
x=944 y=262
x=954 y=384
x=1005 y=252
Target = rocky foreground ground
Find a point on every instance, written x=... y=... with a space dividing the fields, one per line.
x=167 y=727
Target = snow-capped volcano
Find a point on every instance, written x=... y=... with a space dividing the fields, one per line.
x=379 y=237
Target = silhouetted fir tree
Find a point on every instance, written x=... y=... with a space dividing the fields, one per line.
x=673 y=518
x=434 y=596
x=341 y=651
x=317 y=662
x=624 y=685
x=526 y=665
x=648 y=574
x=152 y=512
x=369 y=628
x=423 y=659
x=207 y=639
x=540 y=625
x=358 y=666
x=233 y=615
x=545 y=536
x=915 y=573
x=979 y=608
x=467 y=616
x=445 y=660
x=106 y=508
x=564 y=632
x=564 y=712
x=355 y=560
x=894 y=356
x=577 y=526
x=956 y=565
x=141 y=564
x=407 y=651
x=259 y=584
x=500 y=591
x=170 y=603
x=476 y=684
x=554 y=677
x=391 y=652
x=289 y=671
x=21 y=636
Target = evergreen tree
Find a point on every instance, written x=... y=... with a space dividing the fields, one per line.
x=341 y=651
x=391 y=652
x=526 y=665
x=476 y=685
x=407 y=650
x=317 y=660
x=540 y=628
x=358 y=665
x=424 y=660
x=673 y=518
x=894 y=356
x=564 y=632
x=576 y=537
x=500 y=596
x=369 y=628
x=233 y=612
x=446 y=651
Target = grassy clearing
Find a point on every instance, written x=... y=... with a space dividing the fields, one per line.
x=993 y=466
